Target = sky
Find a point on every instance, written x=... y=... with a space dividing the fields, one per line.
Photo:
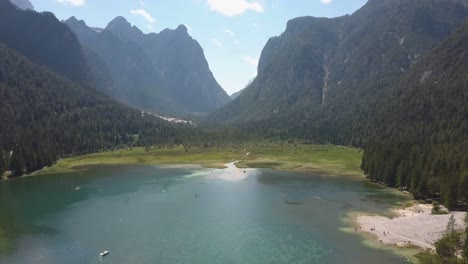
x=231 y=32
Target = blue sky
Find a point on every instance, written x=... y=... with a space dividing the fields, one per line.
x=231 y=32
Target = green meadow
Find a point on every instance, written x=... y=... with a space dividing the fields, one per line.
x=324 y=159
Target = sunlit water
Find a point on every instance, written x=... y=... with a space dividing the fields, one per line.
x=150 y=214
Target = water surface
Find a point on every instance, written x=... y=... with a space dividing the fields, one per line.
x=150 y=214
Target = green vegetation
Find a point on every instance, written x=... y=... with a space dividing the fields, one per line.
x=452 y=248
x=437 y=209
x=333 y=160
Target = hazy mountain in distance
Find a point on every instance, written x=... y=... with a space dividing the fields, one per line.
x=180 y=62
x=126 y=72
x=23 y=4
x=165 y=73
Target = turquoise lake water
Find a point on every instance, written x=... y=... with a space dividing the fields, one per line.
x=150 y=214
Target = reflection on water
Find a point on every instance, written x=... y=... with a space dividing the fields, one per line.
x=148 y=214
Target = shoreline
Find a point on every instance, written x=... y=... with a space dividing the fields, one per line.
x=409 y=227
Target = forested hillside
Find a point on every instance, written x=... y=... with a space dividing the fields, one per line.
x=419 y=133
x=337 y=81
x=44 y=116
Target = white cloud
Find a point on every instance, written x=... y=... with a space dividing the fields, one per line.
x=144 y=14
x=251 y=61
x=234 y=7
x=142 y=3
x=72 y=2
x=230 y=32
x=326 y=2
x=217 y=43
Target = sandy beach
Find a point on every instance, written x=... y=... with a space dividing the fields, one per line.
x=413 y=226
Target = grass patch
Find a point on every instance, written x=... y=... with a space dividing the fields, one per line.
x=324 y=159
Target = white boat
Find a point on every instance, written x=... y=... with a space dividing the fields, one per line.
x=77 y=188
x=104 y=253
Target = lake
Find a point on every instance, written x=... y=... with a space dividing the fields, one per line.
x=181 y=214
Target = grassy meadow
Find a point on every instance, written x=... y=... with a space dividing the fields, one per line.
x=324 y=159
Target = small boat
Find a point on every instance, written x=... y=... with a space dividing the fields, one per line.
x=104 y=253
x=77 y=188
x=316 y=197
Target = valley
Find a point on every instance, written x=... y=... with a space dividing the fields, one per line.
x=354 y=115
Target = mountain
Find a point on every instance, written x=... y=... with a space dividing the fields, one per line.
x=126 y=73
x=181 y=63
x=23 y=4
x=165 y=72
x=323 y=69
x=43 y=39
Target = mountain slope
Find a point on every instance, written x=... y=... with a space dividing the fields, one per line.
x=322 y=69
x=419 y=132
x=44 y=116
x=43 y=39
